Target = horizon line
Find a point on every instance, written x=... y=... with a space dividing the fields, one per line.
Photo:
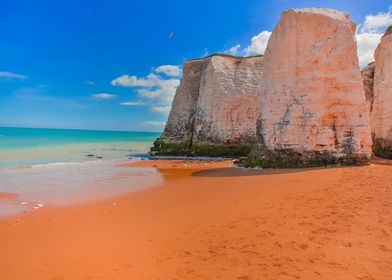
x=54 y=128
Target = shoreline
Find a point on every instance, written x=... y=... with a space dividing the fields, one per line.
x=207 y=220
x=32 y=188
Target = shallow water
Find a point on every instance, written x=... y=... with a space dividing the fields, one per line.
x=69 y=183
x=40 y=167
x=31 y=146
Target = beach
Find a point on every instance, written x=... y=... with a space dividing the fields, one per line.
x=151 y=140
x=209 y=220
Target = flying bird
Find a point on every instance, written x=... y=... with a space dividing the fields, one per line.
x=171 y=34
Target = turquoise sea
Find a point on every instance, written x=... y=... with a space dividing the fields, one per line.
x=41 y=167
x=30 y=146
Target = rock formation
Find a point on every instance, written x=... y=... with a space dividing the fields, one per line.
x=368 y=82
x=382 y=106
x=215 y=108
x=313 y=107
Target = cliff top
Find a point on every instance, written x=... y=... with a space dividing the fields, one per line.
x=323 y=11
x=224 y=55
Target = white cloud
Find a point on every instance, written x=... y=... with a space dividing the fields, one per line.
x=133 y=103
x=258 y=44
x=10 y=75
x=91 y=83
x=104 y=96
x=156 y=123
x=233 y=50
x=205 y=52
x=133 y=81
x=161 y=109
x=157 y=89
x=369 y=35
x=367 y=43
x=169 y=70
x=377 y=23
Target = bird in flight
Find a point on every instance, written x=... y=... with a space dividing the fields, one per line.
x=171 y=34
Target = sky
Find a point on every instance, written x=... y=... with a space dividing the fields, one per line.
x=115 y=65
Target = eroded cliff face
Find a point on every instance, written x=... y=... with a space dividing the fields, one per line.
x=382 y=106
x=313 y=107
x=368 y=83
x=215 y=108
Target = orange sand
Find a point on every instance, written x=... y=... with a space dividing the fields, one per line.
x=210 y=221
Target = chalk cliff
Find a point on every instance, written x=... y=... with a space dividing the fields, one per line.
x=368 y=83
x=382 y=106
x=215 y=108
x=313 y=109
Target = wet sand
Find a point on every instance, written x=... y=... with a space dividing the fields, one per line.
x=8 y=195
x=212 y=221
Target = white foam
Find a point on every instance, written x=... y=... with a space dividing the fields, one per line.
x=62 y=164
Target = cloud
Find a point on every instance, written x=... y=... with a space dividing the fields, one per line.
x=369 y=35
x=258 y=43
x=91 y=83
x=133 y=81
x=233 y=50
x=103 y=96
x=133 y=103
x=377 y=23
x=158 y=89
x=205 y=52
x=10 y=75
x=169 y=70
x=161 y=109
x=366 y=44
x=156 y=123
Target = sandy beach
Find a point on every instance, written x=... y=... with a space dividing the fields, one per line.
x=208 y=220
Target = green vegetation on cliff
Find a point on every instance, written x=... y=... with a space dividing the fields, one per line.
x=186 y=148
x=382 y=150
x=292 y=159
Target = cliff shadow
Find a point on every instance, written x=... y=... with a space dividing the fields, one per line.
x=246 y=172
x=381 y=161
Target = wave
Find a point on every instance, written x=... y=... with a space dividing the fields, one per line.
x=54 y=164
x=66 y=164
x=51 y=164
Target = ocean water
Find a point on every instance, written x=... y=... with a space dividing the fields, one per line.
x=32 y=146
x=41 y=167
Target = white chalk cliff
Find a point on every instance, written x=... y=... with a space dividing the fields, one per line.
x=303 y=103
x=368 y=83
x=382 y=105
x=215 y=108
x=313 y=107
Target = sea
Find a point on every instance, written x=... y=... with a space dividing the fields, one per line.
x=40 y=166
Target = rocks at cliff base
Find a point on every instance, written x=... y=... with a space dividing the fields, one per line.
x=381 y=117
x=215 y=108
x=313 y=107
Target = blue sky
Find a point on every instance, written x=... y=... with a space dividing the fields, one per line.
x=98 y=64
